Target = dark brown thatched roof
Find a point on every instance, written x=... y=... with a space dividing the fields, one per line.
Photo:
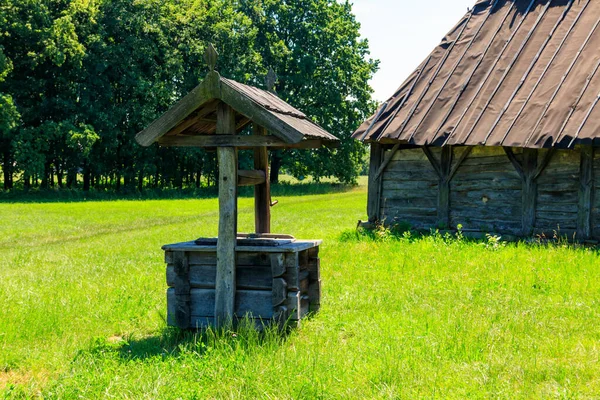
x=195 y=115
x=522 y=73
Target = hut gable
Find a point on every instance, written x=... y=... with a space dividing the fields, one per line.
x=192 y=120
x=521 y=73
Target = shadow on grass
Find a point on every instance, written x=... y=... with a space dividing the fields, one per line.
x=76 y=195
x=174 y=342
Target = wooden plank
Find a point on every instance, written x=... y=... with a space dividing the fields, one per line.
x=529 y=193
x=201 y=94
x=314 y=295
x=262 y=192
x=586 y=190
x=374 y=184
x=225 y=286
x=279 y=294
x=256 y=303
x=277 y=264
x=443 y=205
x=181 y=283
x=293 y=304
x=387 y=159
x=260 y=115
x=228 y=139
x=251 y=178
x=292 y=271
x=205 y=277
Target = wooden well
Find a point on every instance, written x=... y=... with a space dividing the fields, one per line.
x=261 y=276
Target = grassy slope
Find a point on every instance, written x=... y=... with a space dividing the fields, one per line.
x=83 y=311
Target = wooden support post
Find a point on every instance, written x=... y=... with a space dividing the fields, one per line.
x=529 y=191
x=374 y=193
x=444 y=188
x=225 y=284
x=586 y=190
x=262 y=192
x=183 y=297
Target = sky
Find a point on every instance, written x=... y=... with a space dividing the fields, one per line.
x=402 y=33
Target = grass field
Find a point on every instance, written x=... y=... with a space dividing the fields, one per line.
x=83 y=311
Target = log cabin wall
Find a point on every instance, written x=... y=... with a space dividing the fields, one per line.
x=485 y=193
x=488 y=191
x=409 y=189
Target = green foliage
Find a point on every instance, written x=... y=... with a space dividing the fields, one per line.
x=409 y=317
x=78 y=80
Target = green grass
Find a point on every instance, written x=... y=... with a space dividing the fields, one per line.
x=83 y=311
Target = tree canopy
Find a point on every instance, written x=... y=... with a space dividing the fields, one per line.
x=79 y=78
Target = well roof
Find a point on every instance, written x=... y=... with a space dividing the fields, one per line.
x=522 y=73
x=195 y=114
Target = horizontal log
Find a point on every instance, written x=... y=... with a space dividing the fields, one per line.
x=431 y=186
x=247 y=277
x=409 y=155
x=251 y=177
x=241 y=141
x=404 y=199
x=506 y=184
x=257 y=303
x=209 y=258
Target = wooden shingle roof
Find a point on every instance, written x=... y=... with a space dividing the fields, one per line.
x=522 y=73
x=194 y=117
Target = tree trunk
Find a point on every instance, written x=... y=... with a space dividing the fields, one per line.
x=140 y=181
x=7 y=167
x=87 y=175
x=275 y=167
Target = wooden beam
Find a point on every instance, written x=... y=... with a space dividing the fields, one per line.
x=444 y=187
x=262 y=192
x=222 y=140
x=373 y=189
x=226 y=282
x=251 y=178
x=386 y=161
x=247 y=142
x=434 y=163
x=182 y=289
x=586 y=190
x=204 y=92
x=529 y=191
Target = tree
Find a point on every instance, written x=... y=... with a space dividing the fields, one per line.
x=316 y=49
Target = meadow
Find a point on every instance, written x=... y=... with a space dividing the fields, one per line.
x=82 y=310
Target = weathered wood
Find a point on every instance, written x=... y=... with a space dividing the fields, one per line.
x=262 y=192
x=374 y=183
x=225 y=286
x=387 y=159
x=314 y=294
x=294 y=306
x=228 y=139
x=255 y=303
x=250 y=277
x=204 y=92
x=182 y=301
x=445 y=168
x=292 y=271
x=277 y=264
x=529 y=193
x=279 y=291
x=251 y=178
x=586 y=190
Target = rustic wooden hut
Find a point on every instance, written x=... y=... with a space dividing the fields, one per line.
x=264 y=276
x=497 y=129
